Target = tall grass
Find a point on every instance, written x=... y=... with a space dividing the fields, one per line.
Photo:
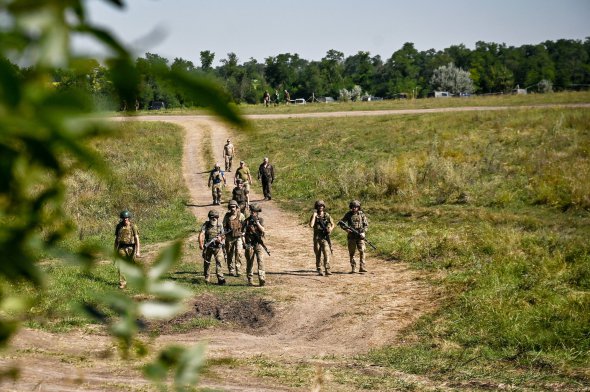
x=495 y=202
x=145 y=179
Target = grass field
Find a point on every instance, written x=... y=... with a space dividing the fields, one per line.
x=495 y=204
x=424 y=103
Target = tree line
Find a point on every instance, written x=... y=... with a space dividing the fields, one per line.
x=490 y=68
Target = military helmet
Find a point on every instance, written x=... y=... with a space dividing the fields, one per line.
x=239 y=181
x=217 y=165
x=319 y=203
x=232 y=203
x=354 y=203
x=228 y=140
x=213 y=214
x=255 y=208
x=125 y=214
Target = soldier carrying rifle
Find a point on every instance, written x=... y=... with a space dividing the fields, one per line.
x=211 y=242
x=322 y=224
x=254 y=244
x=355 y=223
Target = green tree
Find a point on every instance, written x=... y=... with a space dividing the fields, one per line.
x=207 y=58
x=332 y=71
x=402 y=71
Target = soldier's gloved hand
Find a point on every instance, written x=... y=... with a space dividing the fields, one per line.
x=363 y=236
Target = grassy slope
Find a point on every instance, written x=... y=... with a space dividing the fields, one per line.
x=496 y=202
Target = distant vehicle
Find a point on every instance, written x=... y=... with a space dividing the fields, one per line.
x=157 y=105
x=370 y=98
x=298 y=101
x=325 y=99
x=442 y=94
x=400 y=96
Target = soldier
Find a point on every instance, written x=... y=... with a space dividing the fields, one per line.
x=126 y=242
x=322 y=224
x=217 y=179
x=241 y=196
x=356 y=219
x=211 y=242
x=243 y=173
x=228 y=154
x=232 y=224
x=266 y=173
x=266 y=98
x=253 y=234
x=287 y=97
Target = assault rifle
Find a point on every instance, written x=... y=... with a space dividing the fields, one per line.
x=212 y=241
x=325 y=231
x=352 y=230
x=257 y=239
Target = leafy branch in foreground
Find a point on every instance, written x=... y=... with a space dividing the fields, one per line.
x=43 y=139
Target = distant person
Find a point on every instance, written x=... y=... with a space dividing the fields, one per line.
x=266 y=173
x=216 y=182
x=243 y=173
x=211 y=242
x=266 y=98
x=277 y=98
x=322 y=224
x=228 y=154
x=126 y=243
x=253 y=235
x=241 y=196
x=233 y=221
x=287 y=97
x=357 y=220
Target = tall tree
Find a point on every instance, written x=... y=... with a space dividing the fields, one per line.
x=207 y=60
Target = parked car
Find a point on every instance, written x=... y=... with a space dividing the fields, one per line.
x=299 y=101
x=156 y=105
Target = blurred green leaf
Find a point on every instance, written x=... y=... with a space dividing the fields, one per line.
x=165 y=261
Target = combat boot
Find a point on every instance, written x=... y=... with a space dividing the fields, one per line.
x=353 y=271
x=250 y=282
x=262 y=282
x=221 y=281
x=363 y=270
x=328 y=272
x=320 y=272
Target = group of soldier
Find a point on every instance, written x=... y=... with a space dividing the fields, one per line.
x=240 y=233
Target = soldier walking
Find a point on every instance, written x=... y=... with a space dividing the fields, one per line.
x=243 y=173
x=211 y=242
x=241 y=196
x=232 y=224
x=253 y=235
x=322 y=224
x=228 y=154
x=216 y=182
x=126 y=243
x=266 y=173
x=357 y=220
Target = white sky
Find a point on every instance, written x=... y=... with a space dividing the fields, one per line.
x=263 y=28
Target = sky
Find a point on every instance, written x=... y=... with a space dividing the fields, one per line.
x=265 y=28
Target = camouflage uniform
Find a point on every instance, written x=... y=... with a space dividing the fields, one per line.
x=233 y=244
x=240 y=195
x=253 y=234
x=126 y=244
x=266 y=173
x=320 y=238
x=228 y=154
x=358 y=221
x=214 y=251
x=216 y=182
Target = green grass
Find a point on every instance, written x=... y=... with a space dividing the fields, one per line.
x=423 y=103
x=496 y=203
x=145 y=178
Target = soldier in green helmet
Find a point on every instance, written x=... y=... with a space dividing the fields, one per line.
x=211 y=242
x=253 y=236
x=357 y=220
x=232 y=224
x=322 y=224
x=126 y=242
x=216 y=182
